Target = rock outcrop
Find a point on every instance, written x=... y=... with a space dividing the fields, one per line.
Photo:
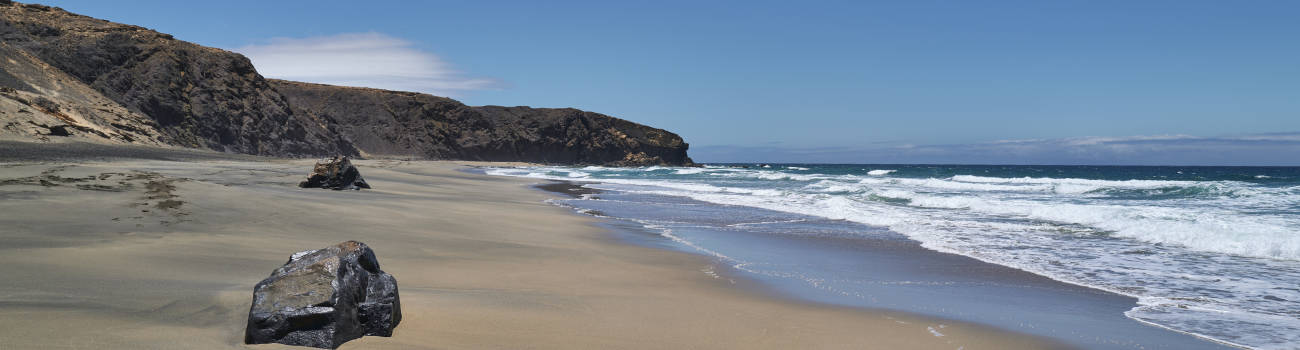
x=65 y=76
x=323 y=298
x=336 y=173
x=194 y=96
x=571 y=136
x=395 y=123
x=38 y=101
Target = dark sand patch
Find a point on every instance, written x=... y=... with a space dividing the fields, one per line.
x=567 y=188
x=18 y=151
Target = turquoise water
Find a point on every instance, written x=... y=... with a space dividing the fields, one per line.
x=1210 y=251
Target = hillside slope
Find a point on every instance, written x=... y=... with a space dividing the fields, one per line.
x=382 y=122
x=65 y=76
x=196 y=96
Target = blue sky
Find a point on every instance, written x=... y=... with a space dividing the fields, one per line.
x=848 y=81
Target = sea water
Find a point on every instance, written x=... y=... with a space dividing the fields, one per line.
x=1208 y=251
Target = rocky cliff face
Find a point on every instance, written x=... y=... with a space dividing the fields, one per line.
x=41 y=102
x=67 y=76
x=394 y=123
x=195 y=96
x=567 y=135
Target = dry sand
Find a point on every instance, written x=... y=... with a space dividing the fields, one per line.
x=156 y=254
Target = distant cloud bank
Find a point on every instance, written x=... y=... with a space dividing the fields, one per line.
x=370 y=59
x=1254 y=149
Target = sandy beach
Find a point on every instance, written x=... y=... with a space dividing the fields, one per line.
x=163 y=254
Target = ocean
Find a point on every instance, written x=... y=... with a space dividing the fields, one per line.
x=1212 y=252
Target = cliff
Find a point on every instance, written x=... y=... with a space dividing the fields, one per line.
x=192 y=96
x=394 y=123
x=65 y=76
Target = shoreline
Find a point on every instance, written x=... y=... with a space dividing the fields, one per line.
x=481 y=262
x=1107 y=310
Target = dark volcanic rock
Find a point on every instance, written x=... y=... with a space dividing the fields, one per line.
x=197 y=96
x=571 y=136
x=394 y=123
x=323 y=298
x=336 y=173
x=65 y=76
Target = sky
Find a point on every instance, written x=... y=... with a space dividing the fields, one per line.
x=1005 y=82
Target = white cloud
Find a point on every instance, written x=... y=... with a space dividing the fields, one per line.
x=370 y=59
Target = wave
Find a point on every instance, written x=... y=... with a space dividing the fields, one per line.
x=1129 y=189
x=881 y=172
x=1200 y=229
x=771 y=175
x=1028 y=245
x=1072 y=185
x=1192 y=251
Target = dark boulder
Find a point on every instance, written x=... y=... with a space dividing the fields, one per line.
x=323 y=298
x=336 y=173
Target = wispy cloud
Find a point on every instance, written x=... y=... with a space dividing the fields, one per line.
x=1252 y=149
x=361 y=59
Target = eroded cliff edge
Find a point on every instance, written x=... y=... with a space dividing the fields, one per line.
x=396 y=123
x=65 y=76
x=188 y=95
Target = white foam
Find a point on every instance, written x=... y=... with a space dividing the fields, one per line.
x=1058 y=228
x=1204 y=228
x=1098 y=183
x=831 y=186
x=933 y=331
x=880 y=172
x=968 y=186
x=777 y=175
x=1199 y=229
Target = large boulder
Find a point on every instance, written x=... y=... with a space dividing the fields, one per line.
x=336 y=173
x=323 y=298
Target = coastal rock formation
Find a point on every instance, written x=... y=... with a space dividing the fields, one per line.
x=395 y=123
x=38 y=102
x=65 y=76
x=571 y=136
x=192 y=96
x=336 y=173
x=323 y=298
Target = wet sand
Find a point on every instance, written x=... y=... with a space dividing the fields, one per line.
x=855 y=265
x=163 y=253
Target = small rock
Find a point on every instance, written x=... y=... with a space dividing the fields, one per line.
x=335 y=173
x=323 y=298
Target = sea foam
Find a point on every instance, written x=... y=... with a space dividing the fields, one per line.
x=1215 y=258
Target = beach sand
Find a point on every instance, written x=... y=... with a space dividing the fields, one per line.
x=163 y=254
